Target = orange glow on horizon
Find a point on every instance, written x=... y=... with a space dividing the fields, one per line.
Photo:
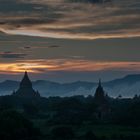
x=42 y=66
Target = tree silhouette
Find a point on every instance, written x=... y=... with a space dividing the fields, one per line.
x=13 y=126
x=62 y=133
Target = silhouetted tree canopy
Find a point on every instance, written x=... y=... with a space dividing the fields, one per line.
x=13 y=126
x=61 y=133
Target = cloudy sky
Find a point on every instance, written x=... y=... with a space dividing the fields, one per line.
x=69 y=40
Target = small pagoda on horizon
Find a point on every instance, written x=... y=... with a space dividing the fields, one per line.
x=101 y=100
x=26 y=89
x=100 y=96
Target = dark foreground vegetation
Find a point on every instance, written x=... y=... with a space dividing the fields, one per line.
x=69 y=118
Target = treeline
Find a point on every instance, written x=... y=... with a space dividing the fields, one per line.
x=68 y=118
x=76 y=109
x=15 y=126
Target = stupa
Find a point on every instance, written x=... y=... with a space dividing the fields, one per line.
x=101 y=100
x=25 y=88
x=100 y=94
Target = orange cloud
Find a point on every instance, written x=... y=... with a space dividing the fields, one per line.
x=43 y=66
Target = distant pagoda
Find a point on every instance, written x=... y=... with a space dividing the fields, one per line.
x=100 y=96
x=25 y=88
x=101 y=100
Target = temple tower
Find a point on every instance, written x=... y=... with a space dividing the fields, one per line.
x=99 y=96
x=25 y=88
x=100 y=99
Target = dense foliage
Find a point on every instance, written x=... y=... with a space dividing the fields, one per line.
x=13 y=126
x=69 y=118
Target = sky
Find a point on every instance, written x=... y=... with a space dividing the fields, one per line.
x=69 y=40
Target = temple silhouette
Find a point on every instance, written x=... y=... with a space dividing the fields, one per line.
x=101 y=100
x=25 y=88
x=99 y=95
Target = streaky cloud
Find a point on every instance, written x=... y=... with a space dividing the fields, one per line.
x=66 y=65
x=10 y=55
x=80 y=36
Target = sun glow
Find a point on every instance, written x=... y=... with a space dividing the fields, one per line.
x=43 y=66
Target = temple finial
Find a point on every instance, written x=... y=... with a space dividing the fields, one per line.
x=26 y=74
x=100 y=83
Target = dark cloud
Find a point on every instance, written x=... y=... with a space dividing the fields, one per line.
x=19 y=13
x=54 y=46
x=29 y=21
x=19 y=23
x=16 y=5
x=27 y=47
x=39 y=47
x=90 y=1
x=9 y=54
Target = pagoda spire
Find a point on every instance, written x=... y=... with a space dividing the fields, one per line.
x=100 y=99
x=25 y=88
x=99 y=93
x=26 y=81
x=26 y=73
x=100 y=83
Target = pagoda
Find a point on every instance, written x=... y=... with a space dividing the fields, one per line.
x=25 y=88
x=99 y=96
x=101 y=100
